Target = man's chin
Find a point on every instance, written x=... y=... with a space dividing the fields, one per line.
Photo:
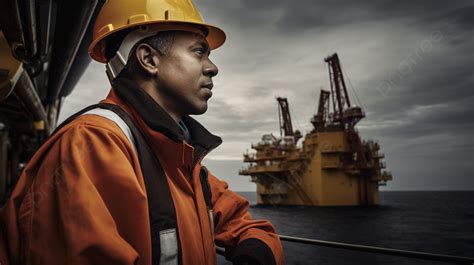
x=199 y=110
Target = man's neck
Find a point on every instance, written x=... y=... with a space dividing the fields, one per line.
x=150 y=88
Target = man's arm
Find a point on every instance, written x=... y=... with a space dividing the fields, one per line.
x=247 y=241
x=77 y=207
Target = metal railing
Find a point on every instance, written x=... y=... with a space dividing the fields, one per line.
x=379 y=250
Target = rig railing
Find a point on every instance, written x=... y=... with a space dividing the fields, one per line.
x=379 y=250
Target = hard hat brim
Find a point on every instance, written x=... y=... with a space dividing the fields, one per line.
x=215 y=37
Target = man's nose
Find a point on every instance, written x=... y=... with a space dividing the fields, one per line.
x=210 y=69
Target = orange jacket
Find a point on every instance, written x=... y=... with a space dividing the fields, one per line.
x=81 y=200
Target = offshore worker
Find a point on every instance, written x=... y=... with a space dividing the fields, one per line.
x=122 y=182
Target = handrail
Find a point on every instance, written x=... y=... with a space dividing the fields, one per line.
x=380 y=250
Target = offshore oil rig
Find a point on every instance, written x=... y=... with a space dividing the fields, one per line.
x=333 y=166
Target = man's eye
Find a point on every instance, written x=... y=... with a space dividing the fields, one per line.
x=199 y=51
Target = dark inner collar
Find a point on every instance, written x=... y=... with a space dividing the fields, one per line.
x=159 y=120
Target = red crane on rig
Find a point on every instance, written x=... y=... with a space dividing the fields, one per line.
x=284 y=118
x=344 y=116
x=286 y=128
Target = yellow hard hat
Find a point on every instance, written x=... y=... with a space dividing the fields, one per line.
x=117 y=15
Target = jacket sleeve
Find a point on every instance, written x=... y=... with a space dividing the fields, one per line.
x=245 y=239
x=72 y=205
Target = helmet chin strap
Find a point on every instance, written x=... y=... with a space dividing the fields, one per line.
x=116 y=64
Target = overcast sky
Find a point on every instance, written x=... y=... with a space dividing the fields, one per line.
x=410 y=64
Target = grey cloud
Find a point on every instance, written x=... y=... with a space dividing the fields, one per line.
x=453 y=118
x=237 y=123
x=295 y=16
x=256 y=92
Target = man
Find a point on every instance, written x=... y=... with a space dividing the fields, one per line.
x=88 y=197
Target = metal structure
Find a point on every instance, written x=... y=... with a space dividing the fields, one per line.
x=284 y=114
x=319 y=120
x=334 y=166
x=373 y=249
x=43 y=53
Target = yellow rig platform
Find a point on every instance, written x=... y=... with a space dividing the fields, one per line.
x=333 y=167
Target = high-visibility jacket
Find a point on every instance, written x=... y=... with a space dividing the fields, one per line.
x=81 y=198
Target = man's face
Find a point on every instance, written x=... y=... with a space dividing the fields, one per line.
x=184 y=78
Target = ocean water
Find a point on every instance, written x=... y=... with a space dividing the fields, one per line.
x=437 y=222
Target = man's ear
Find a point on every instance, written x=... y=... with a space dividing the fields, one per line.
x=148 y=58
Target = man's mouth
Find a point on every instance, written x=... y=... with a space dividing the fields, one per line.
x=208 y=92
x=207 y=89
x=208 y=86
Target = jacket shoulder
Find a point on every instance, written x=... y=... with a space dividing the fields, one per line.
x=91 y=132
x=93 y=121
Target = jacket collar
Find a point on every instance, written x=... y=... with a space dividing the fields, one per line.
x=159 y=120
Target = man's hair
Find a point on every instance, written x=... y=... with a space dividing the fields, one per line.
x=162 y=42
